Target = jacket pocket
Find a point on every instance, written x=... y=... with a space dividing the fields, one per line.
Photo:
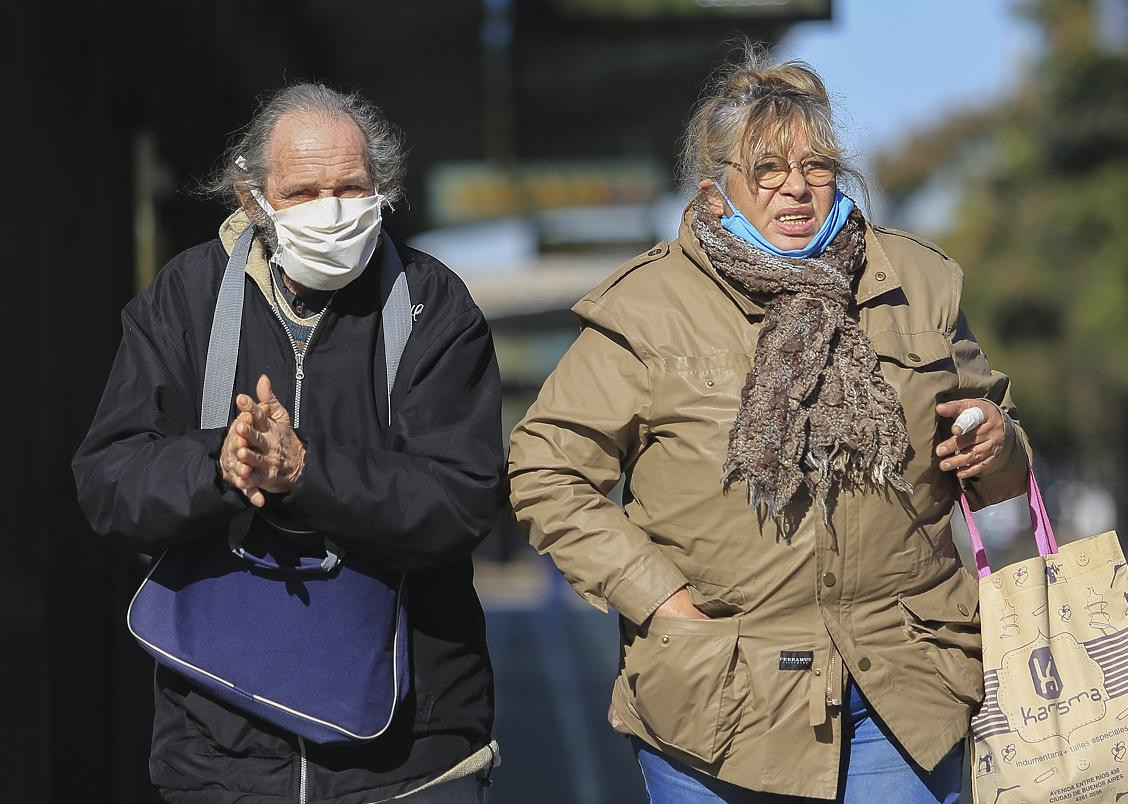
x=705 y=381
x=929 y=350
x=680 y=675
x=714 y=599
x=920 y=368
x=944 y=622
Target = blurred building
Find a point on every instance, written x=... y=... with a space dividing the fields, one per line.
x=116 y=110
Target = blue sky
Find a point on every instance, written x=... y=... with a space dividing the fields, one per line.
x=897 y=65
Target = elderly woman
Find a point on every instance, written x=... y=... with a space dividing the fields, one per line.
x=778 y=386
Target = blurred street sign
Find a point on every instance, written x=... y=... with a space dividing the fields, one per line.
x=753 y=10
x=464 y=192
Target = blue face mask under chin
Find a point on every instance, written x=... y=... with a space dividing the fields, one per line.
x=740 y=226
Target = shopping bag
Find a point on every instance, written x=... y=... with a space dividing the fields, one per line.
x=1053 y=726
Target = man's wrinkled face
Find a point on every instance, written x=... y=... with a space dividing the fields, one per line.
x=312 y=156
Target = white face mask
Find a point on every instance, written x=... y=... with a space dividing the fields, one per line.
x=326 y=243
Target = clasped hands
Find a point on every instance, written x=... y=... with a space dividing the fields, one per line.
x=261 y=452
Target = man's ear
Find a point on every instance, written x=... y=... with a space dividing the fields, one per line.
x=244 y=195
x=246 y=200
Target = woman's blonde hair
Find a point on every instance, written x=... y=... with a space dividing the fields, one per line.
x=753 y=108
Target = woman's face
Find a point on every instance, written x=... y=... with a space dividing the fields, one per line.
x=790 y=215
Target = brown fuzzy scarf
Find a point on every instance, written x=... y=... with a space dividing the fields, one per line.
x=815 y=409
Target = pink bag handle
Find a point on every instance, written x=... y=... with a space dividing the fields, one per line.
x=1043 y=531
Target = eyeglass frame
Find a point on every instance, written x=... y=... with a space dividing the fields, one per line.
x=798 y=163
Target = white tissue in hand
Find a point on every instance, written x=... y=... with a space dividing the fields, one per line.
x=970 y=419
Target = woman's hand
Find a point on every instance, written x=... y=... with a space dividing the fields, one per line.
x=972 y=453
x=680 y=605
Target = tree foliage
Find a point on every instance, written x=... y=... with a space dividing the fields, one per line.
x=1041 y=229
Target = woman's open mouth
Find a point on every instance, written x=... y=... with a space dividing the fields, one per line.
x=795 y=223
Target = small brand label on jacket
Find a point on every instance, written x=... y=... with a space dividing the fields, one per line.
x=796 y=659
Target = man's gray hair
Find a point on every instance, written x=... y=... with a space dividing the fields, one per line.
x=246 y=158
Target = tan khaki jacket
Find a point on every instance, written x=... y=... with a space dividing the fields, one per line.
x=651 y=388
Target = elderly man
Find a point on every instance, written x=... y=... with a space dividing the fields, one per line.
x=311 y=448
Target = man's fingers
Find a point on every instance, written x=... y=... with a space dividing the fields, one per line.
x=244 y=404
x=268 y=401
x=264 y=390
x=252 y=459
x=253 y=438
x=249 y=477
x=257 y=498
x=259 y=418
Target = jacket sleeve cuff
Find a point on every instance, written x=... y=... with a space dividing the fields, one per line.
x=212 y=440
x=647 y=586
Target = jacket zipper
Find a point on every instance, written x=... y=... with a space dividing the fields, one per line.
x=299 y=356
x=830 y=699
x=302 y=776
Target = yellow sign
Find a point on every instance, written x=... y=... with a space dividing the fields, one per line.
x=464 y=192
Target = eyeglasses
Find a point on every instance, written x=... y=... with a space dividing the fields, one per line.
x=772 y=171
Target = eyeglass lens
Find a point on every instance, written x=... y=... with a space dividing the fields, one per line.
x=773 y=172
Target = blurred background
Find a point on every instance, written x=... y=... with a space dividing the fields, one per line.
x=543 y=139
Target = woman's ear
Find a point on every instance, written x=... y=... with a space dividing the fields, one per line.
x=716 y=203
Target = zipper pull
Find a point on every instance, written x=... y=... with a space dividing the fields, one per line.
x=833 y=680
x=299 y=372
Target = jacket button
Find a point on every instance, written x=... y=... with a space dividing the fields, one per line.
x=818 y=671
x=962 y=609
x=913 y=356
x=709 y=383
x=654 y=252
x=665 y=639
x=879 y=276
x=829 y=579
x=864 y=664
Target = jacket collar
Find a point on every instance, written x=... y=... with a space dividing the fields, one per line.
x=878 y=276
x=258 y=268
x=691 y=246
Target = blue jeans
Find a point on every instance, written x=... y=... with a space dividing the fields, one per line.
x=875 y=770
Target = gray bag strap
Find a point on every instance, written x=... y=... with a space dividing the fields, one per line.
x=396 y=315
x=223 y=345
x=227 y=325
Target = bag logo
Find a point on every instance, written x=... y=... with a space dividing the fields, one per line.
x=1044 y=673
x=1067 y=684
